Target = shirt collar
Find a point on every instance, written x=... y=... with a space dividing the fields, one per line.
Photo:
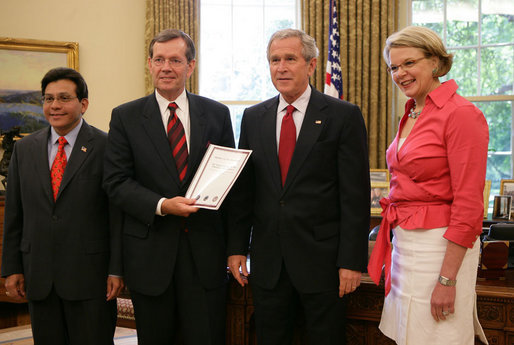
x=439 y=96
x=443 y=93
x=300 y=103
x=163 y=102
x=71 y=137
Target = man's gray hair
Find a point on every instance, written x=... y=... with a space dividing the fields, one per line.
x=309 y=50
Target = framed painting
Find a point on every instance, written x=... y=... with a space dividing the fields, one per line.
x=379 y=190
x=378 y=175
x=502 y=207
x=507 y=188
x=23 y=63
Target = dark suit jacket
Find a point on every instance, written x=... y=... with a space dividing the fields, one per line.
x=319 y=220
x=66 y=243
x=139 y=170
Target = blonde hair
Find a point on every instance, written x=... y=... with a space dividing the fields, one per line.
x=424 y=39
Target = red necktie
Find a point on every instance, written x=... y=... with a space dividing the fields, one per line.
x=177 y=139
x=58 y=166
x=287 y=142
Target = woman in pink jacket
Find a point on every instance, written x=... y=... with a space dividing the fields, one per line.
x=435 y=208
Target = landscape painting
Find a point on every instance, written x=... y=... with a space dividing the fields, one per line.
x=23 y=63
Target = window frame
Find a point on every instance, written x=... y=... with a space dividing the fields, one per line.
x=405 y=18
x=249 y=102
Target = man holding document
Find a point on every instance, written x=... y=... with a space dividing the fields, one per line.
x=302 y=202
x=174 y=252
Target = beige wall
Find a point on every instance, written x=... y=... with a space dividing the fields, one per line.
x=111 y=44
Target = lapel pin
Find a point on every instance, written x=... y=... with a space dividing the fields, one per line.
x=84 y=149
x=318 y=122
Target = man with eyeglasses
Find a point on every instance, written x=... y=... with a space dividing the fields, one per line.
x=174 y=253
x=61 y=250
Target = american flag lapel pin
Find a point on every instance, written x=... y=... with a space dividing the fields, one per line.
x=83 y=149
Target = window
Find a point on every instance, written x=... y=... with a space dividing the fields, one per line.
x=480 y=33
x=234 y=34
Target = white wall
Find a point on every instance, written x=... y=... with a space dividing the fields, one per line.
x=110 y=34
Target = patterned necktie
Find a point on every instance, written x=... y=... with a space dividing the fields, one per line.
x=287 y=142
x=58 y=166
x=177 y=139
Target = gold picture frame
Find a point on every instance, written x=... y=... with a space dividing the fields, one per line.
x=502 y=207
x=487 y=192
x=378 y=175
x=71 y=49
x=379 y=190
x=23 y=63
x=507 y=188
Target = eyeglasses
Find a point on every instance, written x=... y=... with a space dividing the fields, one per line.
x=60 y=99
x=404 y=65
x=158 y=61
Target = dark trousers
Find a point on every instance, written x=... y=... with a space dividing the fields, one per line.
x=198 y=313
x=56 y=321
x=276 y=311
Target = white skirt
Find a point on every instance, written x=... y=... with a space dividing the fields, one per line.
x=417 y=258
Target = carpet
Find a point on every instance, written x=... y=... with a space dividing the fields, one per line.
x=22 y=335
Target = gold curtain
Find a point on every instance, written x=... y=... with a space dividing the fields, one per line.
x=172 y=14
x=364 y=26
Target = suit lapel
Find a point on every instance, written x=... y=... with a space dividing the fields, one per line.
x=152 y=123
x=196 y=135
x=268 y=136
x=313 y=123
x=41 y=161
x=84 y=146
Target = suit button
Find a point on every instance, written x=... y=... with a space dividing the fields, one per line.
x=55 y=218
x=282 y=203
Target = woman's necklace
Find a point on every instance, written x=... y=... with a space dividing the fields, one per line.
x=414 y=114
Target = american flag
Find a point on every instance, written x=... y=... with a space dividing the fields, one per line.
x=333 y=79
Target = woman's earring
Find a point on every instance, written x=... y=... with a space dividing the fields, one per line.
x=434 y=72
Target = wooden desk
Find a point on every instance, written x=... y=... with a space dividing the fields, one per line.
x=495 y=301
x=495 y=311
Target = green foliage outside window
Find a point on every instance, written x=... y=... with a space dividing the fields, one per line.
x=483 y=66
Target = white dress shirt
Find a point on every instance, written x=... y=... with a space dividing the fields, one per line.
x=300 y=105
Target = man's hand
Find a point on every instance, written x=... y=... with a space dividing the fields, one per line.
x=235 y=262
x=348 y=281
x=114 y=286
x=179 y=206
x=15 y=285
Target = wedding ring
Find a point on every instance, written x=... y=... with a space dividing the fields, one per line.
x=7 y=293
x=446 y=313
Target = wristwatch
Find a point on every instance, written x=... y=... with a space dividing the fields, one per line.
x=447 y=281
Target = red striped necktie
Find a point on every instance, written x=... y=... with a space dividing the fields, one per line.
x=287 y=142
x=58 y=166
x=177 y=139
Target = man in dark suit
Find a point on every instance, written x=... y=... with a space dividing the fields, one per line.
x=305 y=192
x=174 y=253
x=58 y=249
